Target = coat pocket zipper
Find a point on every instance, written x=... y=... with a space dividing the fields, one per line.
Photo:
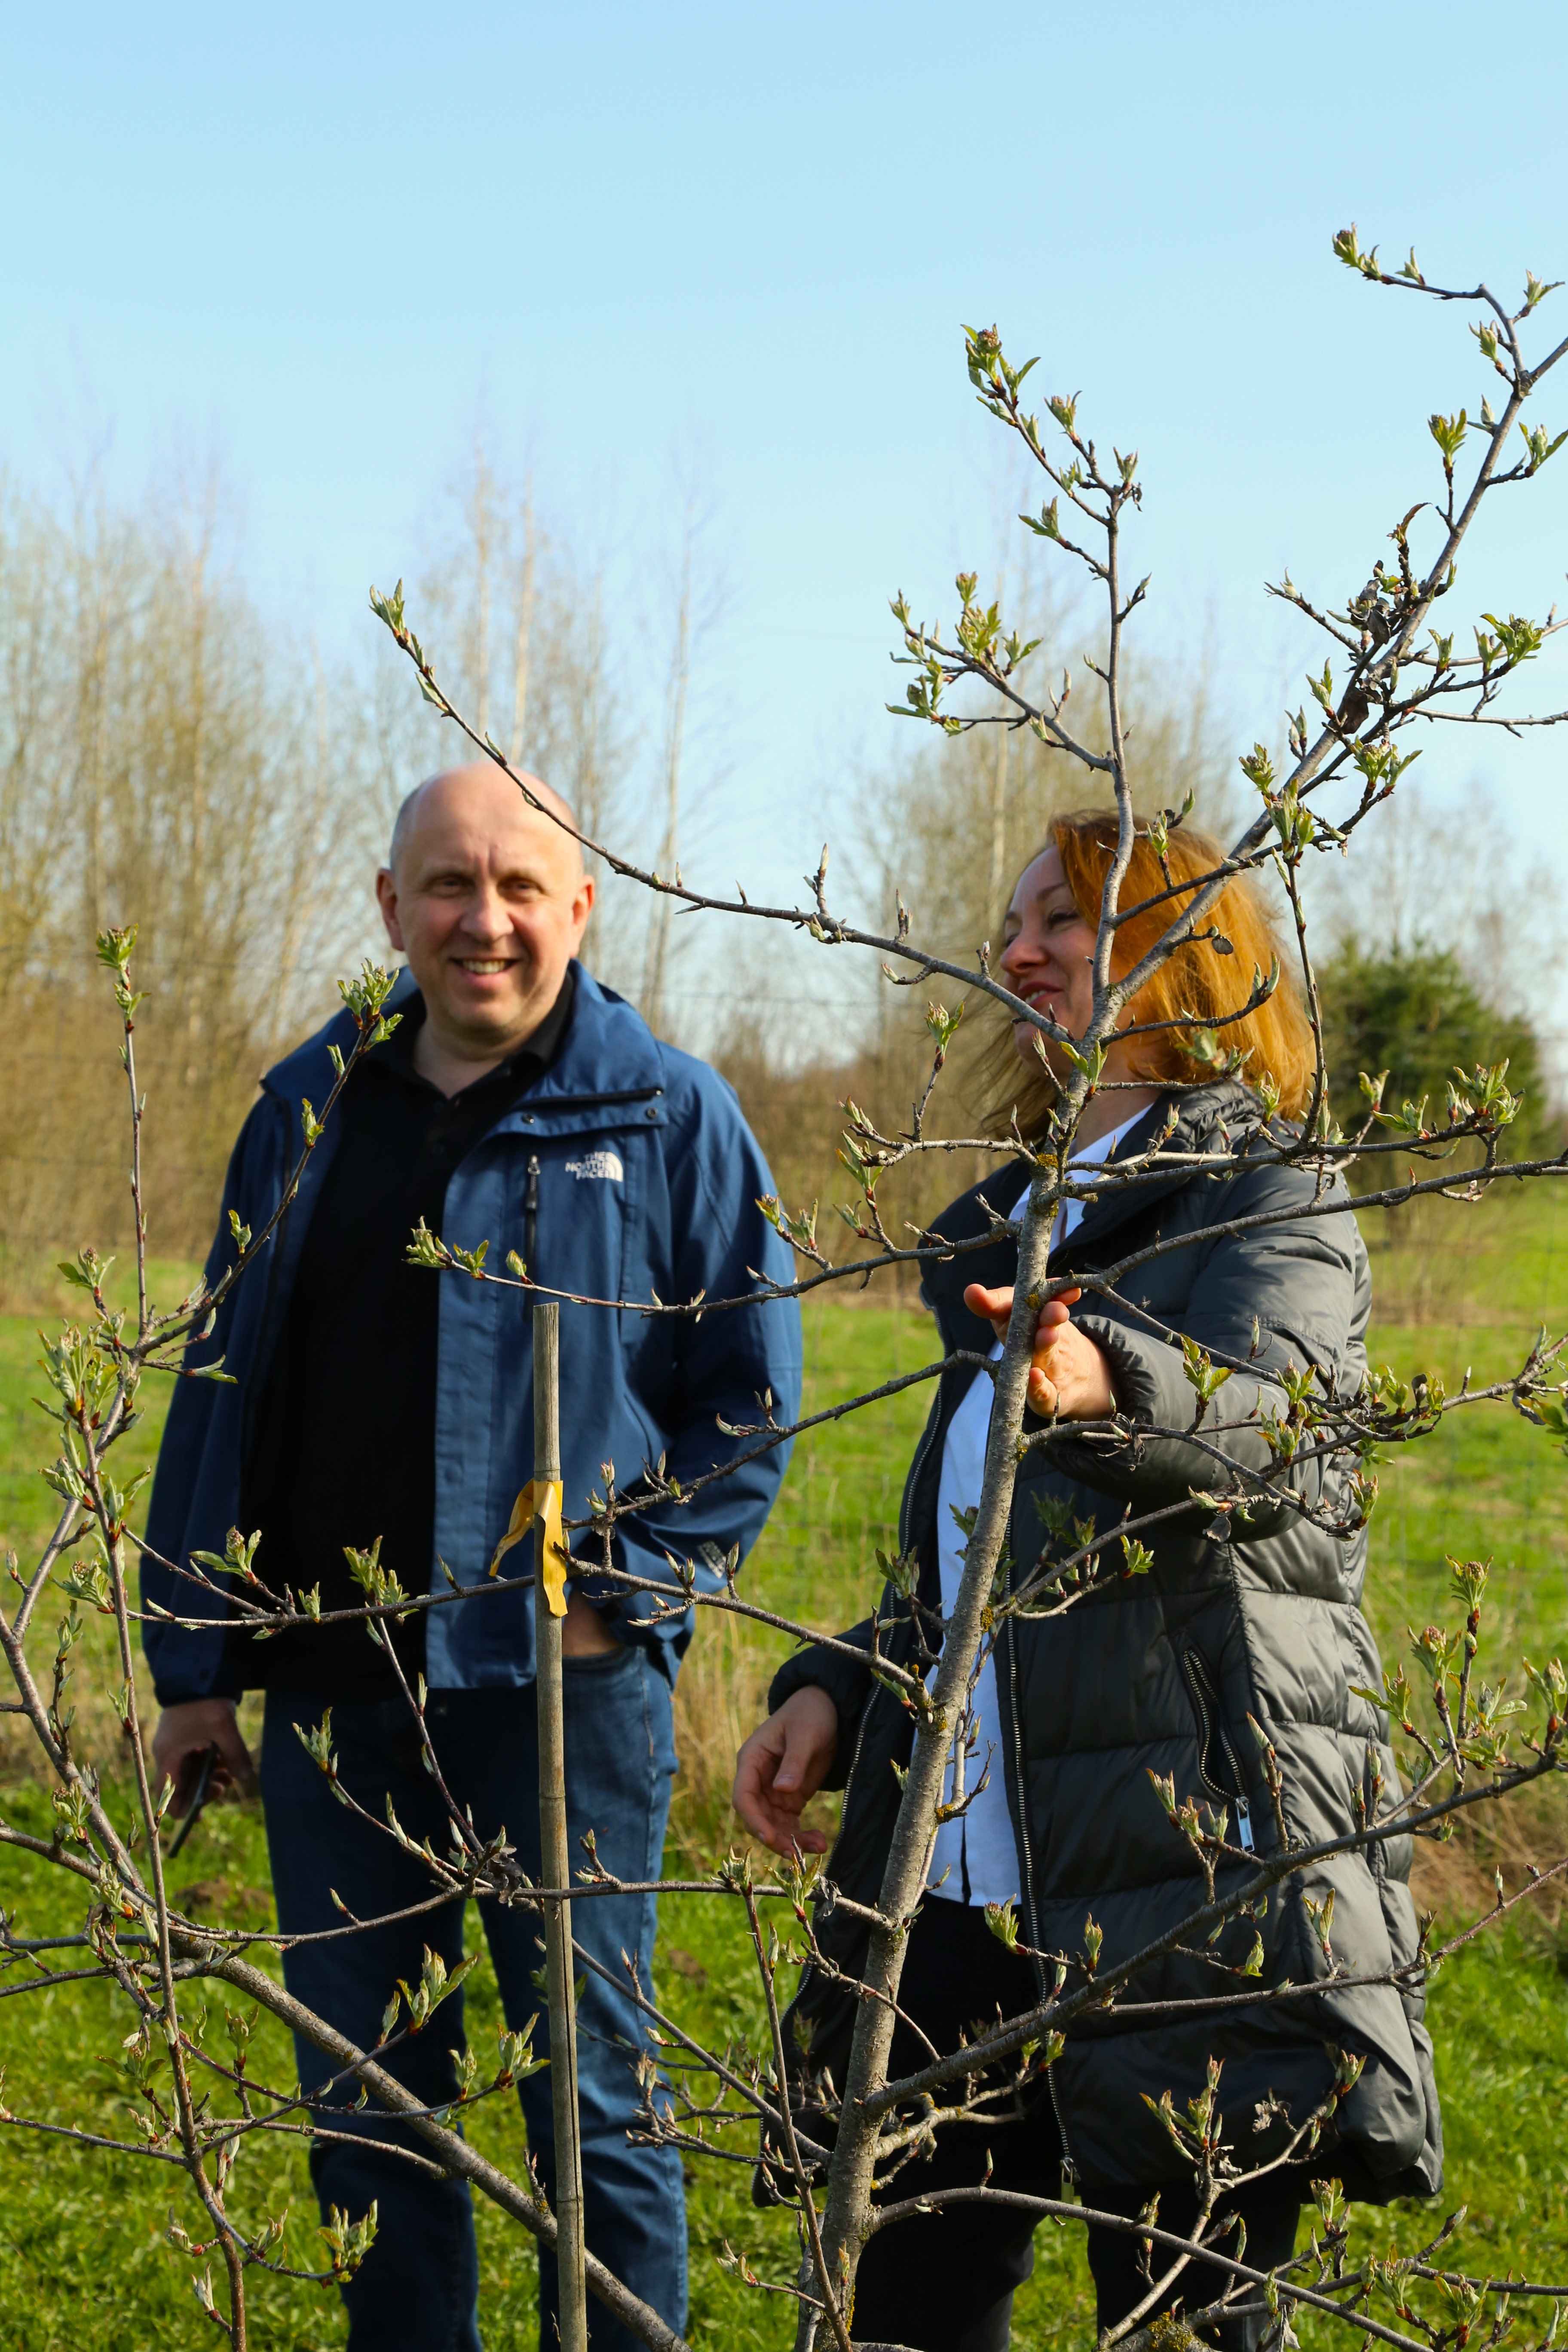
x=532 y=1110
x=1212 y=1732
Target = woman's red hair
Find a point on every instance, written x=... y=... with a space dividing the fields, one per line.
x=1197 y=986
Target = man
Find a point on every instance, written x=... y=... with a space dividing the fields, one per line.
x=518 y=1103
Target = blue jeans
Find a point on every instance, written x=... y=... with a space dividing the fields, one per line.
x=418 y=2288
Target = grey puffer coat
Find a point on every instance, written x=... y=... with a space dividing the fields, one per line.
x=1157 y=1673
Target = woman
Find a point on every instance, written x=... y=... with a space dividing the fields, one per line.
x=1144 y=1675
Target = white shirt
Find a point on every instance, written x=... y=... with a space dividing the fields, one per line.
x=975 y=1858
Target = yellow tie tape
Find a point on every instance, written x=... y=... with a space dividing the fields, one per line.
x=541 y=1498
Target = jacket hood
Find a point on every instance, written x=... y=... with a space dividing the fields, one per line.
x=616 y=1053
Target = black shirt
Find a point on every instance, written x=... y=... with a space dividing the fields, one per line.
x=345 y=1447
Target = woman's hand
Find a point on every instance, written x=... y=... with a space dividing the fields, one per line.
x=1069 y=1375
x=783 y=1766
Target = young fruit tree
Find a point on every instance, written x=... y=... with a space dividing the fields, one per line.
x=1170 y=1429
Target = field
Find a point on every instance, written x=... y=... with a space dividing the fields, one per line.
x=83 y=2259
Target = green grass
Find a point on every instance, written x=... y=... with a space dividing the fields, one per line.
x=82 y=2259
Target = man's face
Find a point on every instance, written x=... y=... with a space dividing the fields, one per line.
x=489 y=902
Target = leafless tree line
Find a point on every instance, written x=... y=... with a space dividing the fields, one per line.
x=170 y=754
x=167 y=753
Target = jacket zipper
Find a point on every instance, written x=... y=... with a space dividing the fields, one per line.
x=1027 y=1874
x=530 y=1218
x=268 y=1332
x=1205 y=1702
x=916 y=1466
x=854 y=1758
x=551 y=1103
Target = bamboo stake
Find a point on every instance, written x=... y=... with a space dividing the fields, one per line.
x=554 y=1859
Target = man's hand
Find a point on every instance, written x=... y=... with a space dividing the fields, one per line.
x=184 y=1733
x=1069 y=1375
x=585 y=1633
x=783 y=1766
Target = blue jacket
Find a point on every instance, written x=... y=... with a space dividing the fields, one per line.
x=649 y=1180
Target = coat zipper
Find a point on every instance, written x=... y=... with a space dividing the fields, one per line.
x=928 y=1435
x=849 y=1783
x=1200 y=1684
x=920 y=1452
x=1026 y=1872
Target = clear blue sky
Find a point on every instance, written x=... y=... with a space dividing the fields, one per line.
x=317 y=235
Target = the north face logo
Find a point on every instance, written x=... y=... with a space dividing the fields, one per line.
x=605 y=1165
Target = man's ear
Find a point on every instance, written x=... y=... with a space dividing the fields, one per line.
x=386 y=899
x=585 y=894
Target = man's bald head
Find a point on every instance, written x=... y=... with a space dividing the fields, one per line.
x=478 y=782
x=487 y=896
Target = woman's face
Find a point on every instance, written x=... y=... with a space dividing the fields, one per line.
x=1048 y=950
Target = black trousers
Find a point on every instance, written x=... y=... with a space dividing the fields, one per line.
x=943 y=2281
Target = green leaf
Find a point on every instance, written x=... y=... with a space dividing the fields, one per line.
x=1449 y=432
x=1002 y=1918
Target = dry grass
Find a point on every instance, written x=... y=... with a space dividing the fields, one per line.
x=1457 y=1880
x=721 y=1697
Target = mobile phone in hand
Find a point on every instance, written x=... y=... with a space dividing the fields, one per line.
x=203 y=1788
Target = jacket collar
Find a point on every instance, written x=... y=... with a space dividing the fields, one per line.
x=1209 y=1120
x=609 y=1048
